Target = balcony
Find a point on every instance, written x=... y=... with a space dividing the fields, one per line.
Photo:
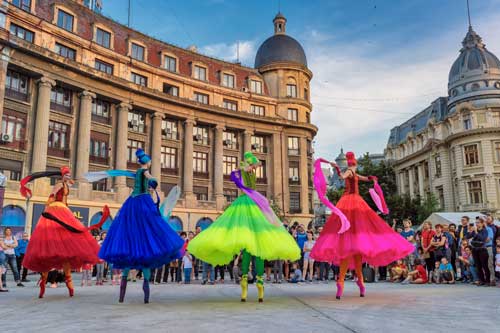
x=293 y=152
x=170 y=171
x=57 y=152
x=16 y=144
x=101 y=119
x=99 y=160
x=227 y=177
x=294 y=181
x=132 y=165
x=295 y=211
x=17 y=95
x=61 y=108
x=262 y=181
x=201 y=175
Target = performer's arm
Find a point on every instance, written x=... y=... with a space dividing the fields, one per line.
x=348 y=173
x=57 y=187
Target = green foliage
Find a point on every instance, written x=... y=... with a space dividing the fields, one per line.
x=273 y=202
x=334 y=195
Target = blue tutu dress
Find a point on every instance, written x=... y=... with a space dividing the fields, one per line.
x=139 y=238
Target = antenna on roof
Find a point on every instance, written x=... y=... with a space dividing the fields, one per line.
x=237 y=51
x=468 y=13
x=279 y=6
x=128 y=22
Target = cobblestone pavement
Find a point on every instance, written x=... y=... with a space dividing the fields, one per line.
x=287 y=308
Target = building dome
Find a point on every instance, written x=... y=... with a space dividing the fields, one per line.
x=280 y=47
x=476 y=70
x=341 y=160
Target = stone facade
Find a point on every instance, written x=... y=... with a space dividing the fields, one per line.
x=452 y=148
x=80 y=89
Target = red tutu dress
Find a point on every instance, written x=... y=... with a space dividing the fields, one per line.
x=369 y=235
x=59 y=239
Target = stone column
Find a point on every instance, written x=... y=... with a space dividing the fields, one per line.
x=247 y=140
x=188 y=163
x=41 y=137
x=421 y=189
x=121 y=149
x=156 y=146
x=277 y=169
x=411 y=180
x=4 y=62
x=218 y=172
x=82 y=159
x=402 y=182
x=304 y=177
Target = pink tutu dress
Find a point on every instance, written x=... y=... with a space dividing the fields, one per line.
x=369 y=235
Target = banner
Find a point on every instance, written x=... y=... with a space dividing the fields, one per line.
x=81 y=214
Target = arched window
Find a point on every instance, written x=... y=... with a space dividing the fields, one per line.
x=15 y=218
x=97 y=217
x=175 y=223
x=204 y=223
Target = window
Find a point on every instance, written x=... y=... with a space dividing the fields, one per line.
x=200 y=164
x=103 y=38
x=103 y=67
x=293 y=114
x=293 y=145
x=258 y=144
x=65 y=51
x=228 y=80
x=99 y=148
x=136 y=121
x=132 y=147
x=230 y=105
x=58 y=139
x=201 y=98
x=471 y=155
x=497 y=152
x=23 y=4
x=293 y=173
x=100 y=110
x=200 y=135
x=170 y=63
x=16 y=85
x=169 y=159
x=306 y=94
x=261 y=172
x=169 y=129
x=65 y=20
x=101 y=185
x=61 y=99
x=440 y=195
x=229 y=163
x=11 y=169
x=291 y=90
x=467 y=122
x=475 y=192
x=426 y=170
x=437 y=161
x=256 y=86
x=139 y=79
x=257 y=110
x=22 y=33
x=200 y=73
x=201 y=193
x=308 y=117
x=137 y=52
x=230 y=194
x=294 y=202
x=230 y=140
x=170 y=89
x=14 y=125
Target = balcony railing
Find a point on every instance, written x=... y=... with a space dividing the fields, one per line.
x=202 y=175
x=16 y=144
x=170 y=171
x=295 y=210
x=60 y=108
x=16 y=95
x=101 y=119
x=262 y=180
x=132 y=165
x=293 y=152
x=99 y=160
x=57 y=152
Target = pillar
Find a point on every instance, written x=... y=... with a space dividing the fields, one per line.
x=402 y=182
x=304 y=177
x=218 y=172
x=4 y=62
x=247 y=140
x=83 y=140
x=188 y=163
x=156 y=146
x=121 y=149
x=411 y=180
x=421 y=189
x=277 y=169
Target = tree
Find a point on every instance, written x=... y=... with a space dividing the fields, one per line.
x=273 y=202
x=334 y=195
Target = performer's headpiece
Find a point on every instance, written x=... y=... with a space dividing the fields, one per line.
x=142 y=157
x=250 y=158
x=351 y=159
x=26 y=192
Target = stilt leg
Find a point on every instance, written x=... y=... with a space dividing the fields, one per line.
x=359 y=274
x=340 y=281
x=69 y=279
x=43 y=284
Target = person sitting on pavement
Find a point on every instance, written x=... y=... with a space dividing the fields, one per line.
x=418 y=276
x=447 y=275
x=467 y=264
x=297 y=274
x=435 y=275
x=399 y=271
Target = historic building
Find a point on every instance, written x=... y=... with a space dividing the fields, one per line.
x=452 y=148
x=80 y=89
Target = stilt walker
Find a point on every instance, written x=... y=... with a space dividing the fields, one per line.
x=249 y=226
x=59 y=240
x=139 y=237
x=365 y=238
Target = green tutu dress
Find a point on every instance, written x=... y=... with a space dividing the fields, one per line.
x=243 y=226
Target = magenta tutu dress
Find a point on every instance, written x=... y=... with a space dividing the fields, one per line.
x=369 y=235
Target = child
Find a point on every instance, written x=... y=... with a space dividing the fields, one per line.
x=418 y=276
x=87 y=275
x=187 y=263
x=435 y=274
x=465 y=264
x=116 y=276
x=447 y=276
x=297 y=274
x=399 y=271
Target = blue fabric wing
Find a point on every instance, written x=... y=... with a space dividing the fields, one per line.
x=169 y=203
x=98 y=175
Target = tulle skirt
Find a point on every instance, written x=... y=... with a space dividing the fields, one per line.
x=51 y=245
x=243 y=226
x=369 y=236
x=139 y=237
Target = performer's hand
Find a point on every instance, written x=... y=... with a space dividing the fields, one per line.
x=373 y=178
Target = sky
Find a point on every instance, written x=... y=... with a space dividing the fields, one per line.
x=375 y=62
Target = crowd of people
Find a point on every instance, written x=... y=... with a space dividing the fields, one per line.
x=444 y=254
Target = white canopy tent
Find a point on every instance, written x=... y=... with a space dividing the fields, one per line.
x=447 y=218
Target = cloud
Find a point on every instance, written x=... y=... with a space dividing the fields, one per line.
x=229 y=52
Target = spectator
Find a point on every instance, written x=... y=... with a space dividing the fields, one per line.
x=297 y=274
x=301 y=236
x=439 y=243
x=278 y=271
x=452 y=245
x=2 y=267
x=467 y=263
x=308 y=261
x=399 y=271
x=236 y=269
x=187 y=265
x=490 y=247
x=9 y=245
x=497 y=262
x=462 y=229
x=208 y=272
x=417 y=276
x=479 y=237
x=427 y=235
x=20 y=251
x=99 y=266
x=435 y=276
x=408 y=234
x=87 y=275
x=447 y=275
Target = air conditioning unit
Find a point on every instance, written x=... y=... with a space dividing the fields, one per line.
x=244 y=89
x=294 y=178
x=228 y=142
x=198 y=137
x=256 y=146
x=6 y=138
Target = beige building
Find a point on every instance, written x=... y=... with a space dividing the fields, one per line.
x=80 y=89
x=452 y=148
